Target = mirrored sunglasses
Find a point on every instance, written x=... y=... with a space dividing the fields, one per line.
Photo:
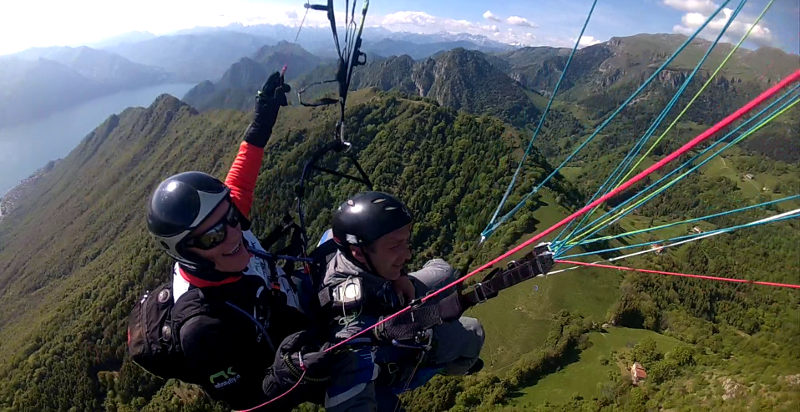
x=215 y=235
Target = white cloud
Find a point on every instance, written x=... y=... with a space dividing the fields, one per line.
x=699 y=6
x=690 y=22
x=587 y=41
x=512 y=20
x=488 y=15
x=519 y=21
x=413 y=18
x=421 y=22
x=693 y=19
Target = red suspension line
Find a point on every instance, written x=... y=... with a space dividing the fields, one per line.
x=658 y=272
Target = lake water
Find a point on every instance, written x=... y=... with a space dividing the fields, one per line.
x=27 y=147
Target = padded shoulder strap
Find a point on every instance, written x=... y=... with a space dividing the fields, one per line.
x=192 y=303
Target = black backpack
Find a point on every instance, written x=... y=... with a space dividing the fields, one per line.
x=154 y=329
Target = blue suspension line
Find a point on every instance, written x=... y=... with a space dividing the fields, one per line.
x=489 y=230
x=562 y=244
x=697 y=219
x=614 y=177
x=690 y=161
x=538 y=127
x=685 y=237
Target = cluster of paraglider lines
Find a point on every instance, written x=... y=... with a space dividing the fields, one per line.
x=579 y=232
x=574 y=232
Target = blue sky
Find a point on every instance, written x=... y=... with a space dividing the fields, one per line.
x=559 y=22
x=38 y=23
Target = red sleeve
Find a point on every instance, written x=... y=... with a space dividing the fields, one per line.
x=242 y=176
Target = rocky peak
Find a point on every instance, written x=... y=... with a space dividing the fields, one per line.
x=244 y=73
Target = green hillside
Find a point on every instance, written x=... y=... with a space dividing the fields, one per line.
x=68 y=295
x=74 y=252
x=597 y=360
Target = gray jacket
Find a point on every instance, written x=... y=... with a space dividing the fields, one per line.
x=373 y=374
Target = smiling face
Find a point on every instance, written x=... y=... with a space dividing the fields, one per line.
x=229 y=256
x=388 y=254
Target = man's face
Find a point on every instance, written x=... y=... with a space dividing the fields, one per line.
x=229 y=256
x=389 y=253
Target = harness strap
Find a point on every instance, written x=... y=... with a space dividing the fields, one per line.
x=408 y=325
x=262 y=330
x=535 y=263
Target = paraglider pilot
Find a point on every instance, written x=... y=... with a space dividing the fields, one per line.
x=237 y=326
x=367 y=280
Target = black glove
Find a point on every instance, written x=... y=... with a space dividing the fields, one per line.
x=303 y=351
x=269 y=99
x=279 y=383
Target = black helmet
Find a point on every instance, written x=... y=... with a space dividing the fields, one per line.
x=367 y=216
x=178 y=205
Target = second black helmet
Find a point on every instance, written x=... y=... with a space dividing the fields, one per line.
x=365 y=217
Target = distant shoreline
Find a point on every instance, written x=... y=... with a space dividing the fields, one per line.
x=27 y=147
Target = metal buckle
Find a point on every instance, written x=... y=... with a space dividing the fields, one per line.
x=425 y=338
x=422 y=341
x=396 y=343
x=543 y=257
x=480 y=297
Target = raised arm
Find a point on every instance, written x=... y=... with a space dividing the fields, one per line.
x=243 y=173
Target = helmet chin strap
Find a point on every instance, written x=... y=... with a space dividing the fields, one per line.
x=371 y=267
x=367 y=264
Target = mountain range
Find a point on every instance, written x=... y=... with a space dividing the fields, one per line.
x=193 y=57
x=512 y=83
x=67 y=76
x=624 y=60
x=42 y=81
x=461 y=79
x=376 y=40
x=234 y=90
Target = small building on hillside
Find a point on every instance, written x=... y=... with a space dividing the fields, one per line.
x=657 y=248
x=748 y=176
x=638 y=373
x=697 y=229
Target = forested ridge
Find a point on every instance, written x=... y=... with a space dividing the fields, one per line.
x=75 y=254
x=89 y=275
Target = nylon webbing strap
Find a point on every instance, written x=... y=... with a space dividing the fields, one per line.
x=409 y=324
x=535 y=263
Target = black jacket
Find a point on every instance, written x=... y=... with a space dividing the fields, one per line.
x=229 y=350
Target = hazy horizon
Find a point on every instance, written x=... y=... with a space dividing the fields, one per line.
x=516 y=22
